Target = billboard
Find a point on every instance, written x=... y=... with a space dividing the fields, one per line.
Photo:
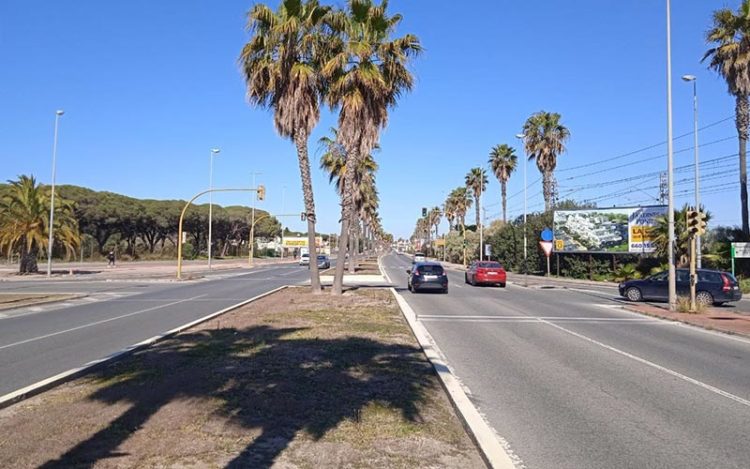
x=607 y=230
x=299 y=241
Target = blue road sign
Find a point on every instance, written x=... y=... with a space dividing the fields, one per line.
x=546 y=234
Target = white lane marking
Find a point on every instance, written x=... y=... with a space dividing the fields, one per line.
x=296 y=271
x=2 y=316
x=95 y=323
x=36 y=309
x=548 y=318
x=656 y=366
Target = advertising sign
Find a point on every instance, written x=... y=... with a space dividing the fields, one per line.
x=299 y=241
x=740 y=250
x=607 y=230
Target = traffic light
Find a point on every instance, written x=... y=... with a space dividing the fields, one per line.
x=424 y=211
x=696 y=222
x=702 y=224
x=261 y=192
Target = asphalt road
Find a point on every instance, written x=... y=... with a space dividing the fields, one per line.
x=570 y=380
x=41 y=341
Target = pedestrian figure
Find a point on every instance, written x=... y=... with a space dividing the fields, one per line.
x=111 y=258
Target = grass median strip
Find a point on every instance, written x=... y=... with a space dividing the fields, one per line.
x=292 y=380
x=18 y=300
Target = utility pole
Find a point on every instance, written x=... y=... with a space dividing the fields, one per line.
x=670 y=168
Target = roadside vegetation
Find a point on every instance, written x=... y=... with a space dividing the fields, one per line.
x=92 y=223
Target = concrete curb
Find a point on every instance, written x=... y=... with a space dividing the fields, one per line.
x=49 y=383
x=493 y=452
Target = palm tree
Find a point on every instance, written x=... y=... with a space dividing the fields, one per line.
x=544 y=141
x=460 y=203
x=730 y=58
x=366 y=76
x=682 y=239
x=476 y=180
x=24 y=223
x=503 y=161
x=281 y=65
x=435 y=215
x=333 y=161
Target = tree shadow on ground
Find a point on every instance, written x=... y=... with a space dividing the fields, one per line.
x=265 y=379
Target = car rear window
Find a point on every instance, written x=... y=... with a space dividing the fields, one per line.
x=712 y=277
x=320 y=258
x=490 y=265
x=430 y=270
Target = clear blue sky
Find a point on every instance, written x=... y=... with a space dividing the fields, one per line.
x=148 y=87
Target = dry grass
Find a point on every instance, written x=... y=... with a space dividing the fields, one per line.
x=17 y=300
x=683 y=306
x=292 y=381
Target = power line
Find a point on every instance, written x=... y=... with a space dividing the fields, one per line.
x=649 y=147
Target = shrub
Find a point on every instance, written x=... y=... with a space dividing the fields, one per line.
x=683 y=305
x=626 y=272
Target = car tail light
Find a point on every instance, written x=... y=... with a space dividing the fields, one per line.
x=727 y=284
x=481 y=270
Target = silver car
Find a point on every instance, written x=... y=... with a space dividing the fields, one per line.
x=324 y=262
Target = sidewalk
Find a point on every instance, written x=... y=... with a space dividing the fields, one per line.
x=717 y=319
x=141 y=270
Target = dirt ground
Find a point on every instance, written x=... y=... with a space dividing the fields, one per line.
x=16 y=300
x=291 y=381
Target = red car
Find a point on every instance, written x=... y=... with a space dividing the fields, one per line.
x=485 y=272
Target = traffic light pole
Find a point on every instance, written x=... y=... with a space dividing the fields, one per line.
x=693 y=279
x=261 y=191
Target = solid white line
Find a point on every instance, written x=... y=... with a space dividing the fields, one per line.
x=495 y=449
x=661 y=368
x=549 y=318
x=34 y=339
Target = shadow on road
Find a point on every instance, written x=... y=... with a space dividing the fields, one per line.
x=264 y=379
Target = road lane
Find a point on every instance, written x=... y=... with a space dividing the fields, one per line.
x=37 y=345
x=570 y=381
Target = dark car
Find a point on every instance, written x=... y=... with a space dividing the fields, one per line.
x=323 y=262
x=713 y=287
x=486 y=273
x=427 y=276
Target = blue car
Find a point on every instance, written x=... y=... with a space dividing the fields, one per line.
x=713 y=287
x=427 y=276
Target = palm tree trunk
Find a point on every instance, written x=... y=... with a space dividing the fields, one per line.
x=503 y=190
x=28 y=263
x=547 y=189
x=742 y=115
x=300 y=141
x=347 y=212
x=352 y=248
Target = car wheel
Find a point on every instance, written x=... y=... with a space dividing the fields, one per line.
x=445 y=290
x=466 y=278
x=408 y=286
x=502 y=285
x=634 y=294
x=704 y=298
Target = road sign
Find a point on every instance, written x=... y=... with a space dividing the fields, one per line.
x=439 y=242
x=740 y=250
x=546 y=247
x=487 y=250
x=547 y=234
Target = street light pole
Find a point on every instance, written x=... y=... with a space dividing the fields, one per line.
x=670 y=168
x=481 y=228
x=50 y=229
x=694 y=79
x=214 y=152
x=525 y=239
